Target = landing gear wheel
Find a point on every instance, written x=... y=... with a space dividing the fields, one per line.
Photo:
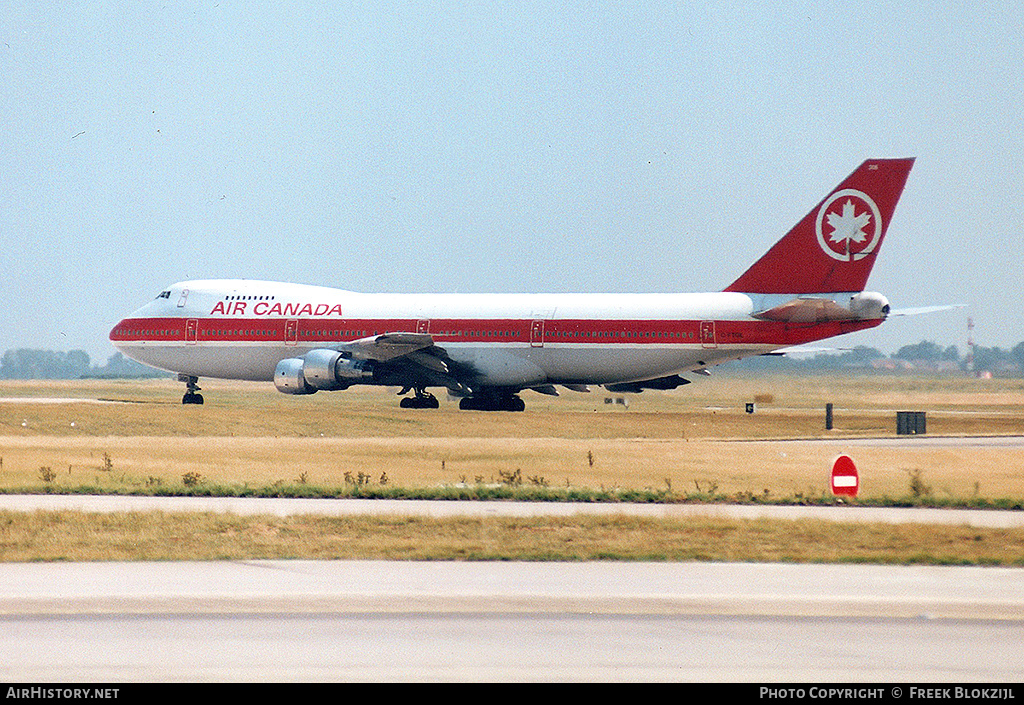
x=422 y=400
x=502 y=402
x=191 y=390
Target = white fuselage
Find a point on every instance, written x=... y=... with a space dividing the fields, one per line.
x=241 y=329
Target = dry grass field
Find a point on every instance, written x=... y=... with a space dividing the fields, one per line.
x=74 y=536
x=689 y=444
x=691 y=440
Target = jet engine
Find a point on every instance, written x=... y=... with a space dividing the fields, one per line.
x=320 y=369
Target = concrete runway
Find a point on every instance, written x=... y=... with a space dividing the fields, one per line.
x=395 y=621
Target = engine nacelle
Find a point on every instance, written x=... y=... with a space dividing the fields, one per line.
x=288 y=377
x=319 y=369
x=868 y=305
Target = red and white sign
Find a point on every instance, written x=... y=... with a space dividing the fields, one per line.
x=845 y=480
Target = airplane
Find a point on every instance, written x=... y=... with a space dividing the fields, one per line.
x=485 y=349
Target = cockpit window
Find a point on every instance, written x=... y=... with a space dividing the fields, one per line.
x=164 y=294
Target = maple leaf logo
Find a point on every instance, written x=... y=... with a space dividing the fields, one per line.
x=855 y=225
x=848 y=227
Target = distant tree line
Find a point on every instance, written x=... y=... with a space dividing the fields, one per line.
x=925 y=356
x=25 y=363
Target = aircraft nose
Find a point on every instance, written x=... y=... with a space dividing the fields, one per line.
x=126 y=330
x=119 y=332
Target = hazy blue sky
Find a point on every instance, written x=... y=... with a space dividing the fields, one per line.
x=524 y=146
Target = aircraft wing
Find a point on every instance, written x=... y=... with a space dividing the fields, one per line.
x=387 y=346
x=408 y=359
x=670 y=382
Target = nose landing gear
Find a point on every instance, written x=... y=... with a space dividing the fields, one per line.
x=191 y=389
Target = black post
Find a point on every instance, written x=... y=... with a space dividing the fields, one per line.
x=828 y=416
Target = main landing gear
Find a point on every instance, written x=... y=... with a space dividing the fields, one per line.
x=422 y=400
x=191 y=390
x=486 y=400
x=493 y=402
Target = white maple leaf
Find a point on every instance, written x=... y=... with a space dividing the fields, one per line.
x=849 y=226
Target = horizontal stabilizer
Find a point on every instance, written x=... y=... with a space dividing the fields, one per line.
x=923 y=309
x=803 y=350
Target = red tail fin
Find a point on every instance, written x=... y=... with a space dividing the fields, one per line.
x=834 y=247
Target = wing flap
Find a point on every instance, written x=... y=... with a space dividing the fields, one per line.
x=670 y=382
x=409 y=358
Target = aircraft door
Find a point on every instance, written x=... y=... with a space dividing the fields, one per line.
x=707 y=334
x=423 y=326
x=537 y=333
x=291 y=332
x=191 y=331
